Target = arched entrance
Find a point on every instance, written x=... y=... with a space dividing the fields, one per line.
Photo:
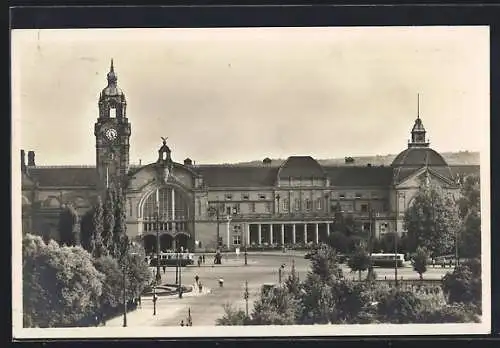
x=167 y=211
x=166 y=242
x=149 y=244
x=182 y=241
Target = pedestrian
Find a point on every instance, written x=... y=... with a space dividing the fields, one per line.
x=196 y=279
x=139 y=301
x=200 y=287
x=182 y=322
x=203 y=258
x=199 y=261
x=221 y=282
x=164 y=269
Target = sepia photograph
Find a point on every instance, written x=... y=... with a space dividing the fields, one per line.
x=250 y=182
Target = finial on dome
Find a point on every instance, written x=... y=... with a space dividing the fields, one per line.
x=111 y=75
x=112 y=69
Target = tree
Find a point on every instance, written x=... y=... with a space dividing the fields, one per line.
x=324 y=263
x=68 y=218
x=292 y=283
x=112 y=290
x=61 y=286
x=120 y=227
x=469 y=205
x=232 y=316
x=98 y=247
x=360 y=260
x=420 y=261
x=399 y=306
x=463 y=285
x=338 y=241
x=108 y=221
x=138 y=275
x=275 y=307
x=432 y=221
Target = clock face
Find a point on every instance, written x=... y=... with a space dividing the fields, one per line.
x=111 y=134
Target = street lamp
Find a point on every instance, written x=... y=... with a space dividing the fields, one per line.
x=246 y=296
x=125 y=269
x=154 y=299
x=180 y=275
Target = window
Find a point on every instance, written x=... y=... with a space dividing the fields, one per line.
x=268 y=207
x=318 y=203
x=342 y=196
x=236 y=240
x=262 y=196
x=228 y=210
x=308 y=204
x=245 y=196
x=366 y=226
x=286 y=204
x=358 y=195
x=364 y=208
x=297 y=204
x=252 y=207
x=229 y=196
x=236 y=208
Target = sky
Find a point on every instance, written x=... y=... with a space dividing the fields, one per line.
x=233 y=95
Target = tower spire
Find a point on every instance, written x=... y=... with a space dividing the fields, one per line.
x=112 y=69
x=418 y=98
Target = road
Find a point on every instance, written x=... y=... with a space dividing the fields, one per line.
x=207 y=307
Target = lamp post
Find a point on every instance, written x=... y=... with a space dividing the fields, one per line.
x=180 y=275
x=246 y=296
x=154 y=299
x=125 y=262
x=245 y=251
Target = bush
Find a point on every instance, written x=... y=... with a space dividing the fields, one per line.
x=399 y=306
x=232 y=316
x=463 y=286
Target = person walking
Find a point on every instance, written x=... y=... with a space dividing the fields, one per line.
x=164 y=269
x=196 y=279
x=200 y=287
x=203 y=258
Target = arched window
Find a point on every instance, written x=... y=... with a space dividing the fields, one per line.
x=172 y=207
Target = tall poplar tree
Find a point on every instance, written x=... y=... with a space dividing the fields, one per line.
x=120 y=228
x=97 y=242
x=108 y=220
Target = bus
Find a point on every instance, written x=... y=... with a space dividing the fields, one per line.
x=173 y=259
x=388 y=260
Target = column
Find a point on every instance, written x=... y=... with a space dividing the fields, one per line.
x=316 y=235
x=293 y=234
x=259 y=234
x=247 y=236
x=174 y=225
x=270 y=233
x=228 y=233
x=282 y=234
x=328 y=229
x=305 y=233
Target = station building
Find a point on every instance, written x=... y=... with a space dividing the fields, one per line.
x=190 y=205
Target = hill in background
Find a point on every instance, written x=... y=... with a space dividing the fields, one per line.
x=452 y=158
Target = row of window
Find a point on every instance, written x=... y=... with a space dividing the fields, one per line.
x=262 y=196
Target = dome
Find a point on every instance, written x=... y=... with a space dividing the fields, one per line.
x=418 y=157
x=112 y=91
x=301 y=167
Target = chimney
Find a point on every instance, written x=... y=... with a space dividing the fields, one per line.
x=188 y=162
x=23 y=162
x=31 y=158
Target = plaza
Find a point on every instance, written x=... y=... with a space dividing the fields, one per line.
x=262 y=268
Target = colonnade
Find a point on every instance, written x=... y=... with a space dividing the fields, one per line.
x=277 y=233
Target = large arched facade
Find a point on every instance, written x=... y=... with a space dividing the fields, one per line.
x=166 y=218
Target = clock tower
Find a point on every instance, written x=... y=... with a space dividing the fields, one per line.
x=112 y=132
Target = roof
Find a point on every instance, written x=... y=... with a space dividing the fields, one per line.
x=359 y=176
x=301 y=167
x=235 y=176
x=64 y=176
x=418 y=157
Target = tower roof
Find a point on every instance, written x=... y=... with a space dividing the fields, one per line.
x=112 y=89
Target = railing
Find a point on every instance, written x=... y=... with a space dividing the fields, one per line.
x=171 y=226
